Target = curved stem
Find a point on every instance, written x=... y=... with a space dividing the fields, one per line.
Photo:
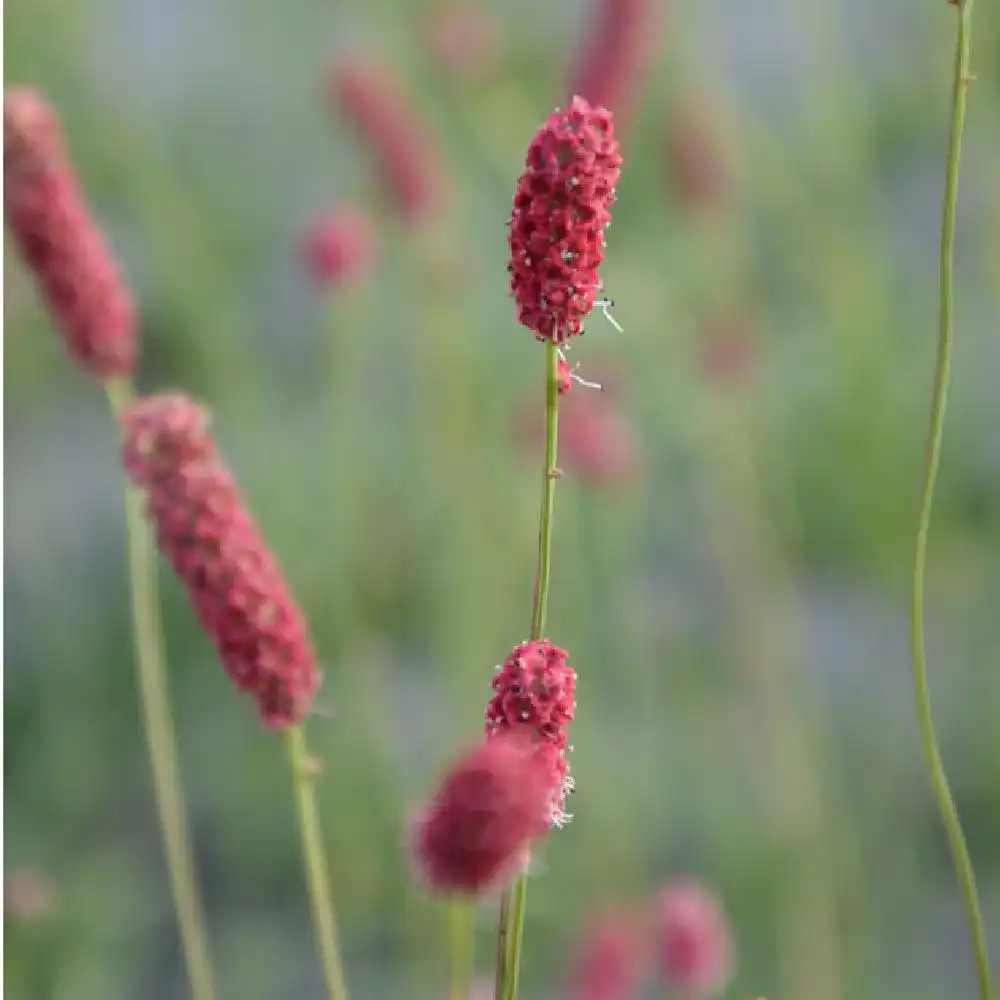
x=154 y=698
x=304 y=770
x=932 y=456
x=513 y=901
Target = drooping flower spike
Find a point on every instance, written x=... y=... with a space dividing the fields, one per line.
x=560 y=214
x=61 y=242
x=204 y=528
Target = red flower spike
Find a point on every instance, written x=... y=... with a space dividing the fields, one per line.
x=692 y=939
x=615 y=55
x=365 y=93
x=535 y=696
x=473 y=836
x=611 y=960
x=61 y=242
x=561 y=210
x=338 y=249
x=204 y=528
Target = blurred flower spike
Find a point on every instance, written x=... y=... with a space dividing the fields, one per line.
x=338 y=248
x=560 y=214
x=204 y=528
x=60 y=241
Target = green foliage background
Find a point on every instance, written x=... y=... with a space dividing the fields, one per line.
x=736 y=614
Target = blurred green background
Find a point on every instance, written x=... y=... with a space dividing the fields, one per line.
x=736 y=608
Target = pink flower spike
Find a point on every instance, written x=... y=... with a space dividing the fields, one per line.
x=561 y=210
x=338 y=248
x=61 y=242
x=611 y=960
x=399 y=143
x=692 y=939
x=535 y=696
x=474 y=835
x=204 y=528
x=617 y=51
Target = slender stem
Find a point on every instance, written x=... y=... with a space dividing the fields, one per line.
x=932 y=456
x=461 y=941
x=154 y=698
x=314 y=857
x=514 y=901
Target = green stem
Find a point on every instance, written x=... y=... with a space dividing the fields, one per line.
x=932 y=455
x=304 y=769
x=154 y=698
x=514 y=901
x=461 y=911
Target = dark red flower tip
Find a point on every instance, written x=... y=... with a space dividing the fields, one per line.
x=474 y=835
x=616 y=54
x=535 y=696
x=60 y=241
x=204 y=528
x=561 y=210
x=366 y=94
x=338 y=248
x=612 y=958
x=692 y=940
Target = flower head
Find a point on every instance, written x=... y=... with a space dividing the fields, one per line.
x=366 y=94
x=561 y=210
x=611 y=958
x=692 y=939
x=338 y=248
x=204 y=528
x=616 y=53
x=534 y=696
x=491 y=804
x=60 y=241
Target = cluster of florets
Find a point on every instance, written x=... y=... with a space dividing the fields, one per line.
x=204 y=528
x=474 y=835
x=61 y=242
x=535 y=695
x=561 y=210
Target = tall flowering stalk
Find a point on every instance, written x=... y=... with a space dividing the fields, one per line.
x=82 y=286
x=561 y=211
x=242 y=600
x=932 y=456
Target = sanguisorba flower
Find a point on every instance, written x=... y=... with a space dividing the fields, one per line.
x=338 y=248
x=489 y=807
x=366 y=94
x=561 y=211
x=691 y=939
x=204 y=528
x=61 y=242
x=535 y=697
x=615 y=55
x=611 y=957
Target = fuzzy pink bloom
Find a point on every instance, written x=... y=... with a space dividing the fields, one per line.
x=61 y=242
x=535 y=695
x=692 y=939
x=399 y=143
x=597 y=441
x=464 y=38
x=729 y=350
x=612 y=958
x=696 y=163
x=491 y=804
x=616 y=54
x=338 y=248
x=28 y=896
x=561 y=210
x=204 y=528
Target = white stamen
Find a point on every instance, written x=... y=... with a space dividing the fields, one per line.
x=606 y=305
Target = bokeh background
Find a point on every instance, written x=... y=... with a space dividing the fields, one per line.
x=731 y=556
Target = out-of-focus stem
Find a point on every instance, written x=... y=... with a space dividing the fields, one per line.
x=513 y=902
x=461 y=945
x=155 y=701
x=932 y=456
x=314 y=858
